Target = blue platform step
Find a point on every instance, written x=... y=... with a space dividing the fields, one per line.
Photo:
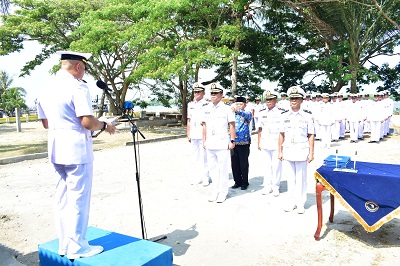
x=118 y=250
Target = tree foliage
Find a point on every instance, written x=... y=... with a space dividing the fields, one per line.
x=348 y=34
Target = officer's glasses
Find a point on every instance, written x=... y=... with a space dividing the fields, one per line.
x=214 y=93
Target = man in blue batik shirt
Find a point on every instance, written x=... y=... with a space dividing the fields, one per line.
x=241 y=151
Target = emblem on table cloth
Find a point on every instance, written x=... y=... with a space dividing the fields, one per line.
x=371 y=206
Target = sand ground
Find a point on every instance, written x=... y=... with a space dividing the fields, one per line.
x=247 y=229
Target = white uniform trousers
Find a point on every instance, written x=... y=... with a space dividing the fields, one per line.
x=382 y=130
x=317 y=130
x=273 y=169
x=73 y=191
x=296 y=174
x=218 y=167
x=367 y=127
x=360 y=129
x=387 y=126
x=353 y=130
x=335 y=130
x=325 y=135
x=200 y=162
x=342 y=128
x=375 y=127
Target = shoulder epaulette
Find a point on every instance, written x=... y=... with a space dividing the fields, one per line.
x=204 y=104
x=285 y=111
x=307 y=111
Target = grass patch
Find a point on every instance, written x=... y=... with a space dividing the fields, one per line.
x=11 y=150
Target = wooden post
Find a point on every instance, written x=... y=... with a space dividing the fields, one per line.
x=18 y=119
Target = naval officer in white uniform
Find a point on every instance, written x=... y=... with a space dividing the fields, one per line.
x=296 y=149
x=65 y=109
x=195 y=135
x=268 y=133
x=218 y=117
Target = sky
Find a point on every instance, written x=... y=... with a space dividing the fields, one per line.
x=14 y=62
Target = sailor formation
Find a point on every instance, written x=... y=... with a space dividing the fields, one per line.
x=219 y=133
x=336 y=114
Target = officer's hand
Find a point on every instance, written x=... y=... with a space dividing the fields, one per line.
x=231 y=146
x=110 y=128
x=310 y=158
x=259 y=148
x=189 y=139
x=280 y=156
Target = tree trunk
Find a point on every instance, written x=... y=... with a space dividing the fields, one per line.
x=101 y=106
x=234 y=69
x=184 y=91
x=353 y=85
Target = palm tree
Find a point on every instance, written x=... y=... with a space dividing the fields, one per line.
x=11 y=97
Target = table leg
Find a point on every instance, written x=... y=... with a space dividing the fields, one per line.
x=318 y=193
x=332 y=208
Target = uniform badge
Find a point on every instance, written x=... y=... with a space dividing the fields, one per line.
x=294 y=90
x=371 y=206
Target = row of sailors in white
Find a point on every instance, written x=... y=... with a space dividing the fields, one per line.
x=331 y=118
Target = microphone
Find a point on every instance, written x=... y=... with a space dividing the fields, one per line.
x=102 y=85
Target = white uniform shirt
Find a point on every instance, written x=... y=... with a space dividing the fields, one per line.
x=65 y=100
x=217 y=120
x=284 y=105
x=375 y=111
x=296 y=126
x=353 y=111
x=269 y=121
x=325 y=115
x=195 y=113
x=257 y=109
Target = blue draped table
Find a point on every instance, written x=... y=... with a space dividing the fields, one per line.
x=372 y=195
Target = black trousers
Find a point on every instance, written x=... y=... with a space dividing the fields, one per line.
x=240 y=164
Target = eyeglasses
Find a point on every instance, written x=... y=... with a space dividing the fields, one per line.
x=214 y=93
x=295 y=98
x=198 y=91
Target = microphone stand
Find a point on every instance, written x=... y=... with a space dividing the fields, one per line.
x=134 y=130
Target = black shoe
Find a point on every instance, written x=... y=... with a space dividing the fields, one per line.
x=235 y=186
x=372 y=141
x=341 y=137
x=243 y=188
x=361 y=138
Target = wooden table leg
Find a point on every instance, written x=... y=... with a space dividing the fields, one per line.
x=318 y=193
x=332 y=208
